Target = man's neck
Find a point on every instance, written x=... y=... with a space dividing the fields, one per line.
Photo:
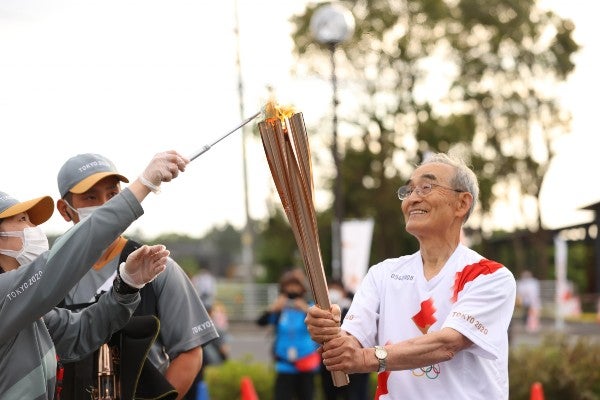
x=435 y=256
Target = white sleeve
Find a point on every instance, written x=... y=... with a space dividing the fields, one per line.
x=362 y=318
x=483 y=310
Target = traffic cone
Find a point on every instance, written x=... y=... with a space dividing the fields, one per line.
x=247 y=389
x=537 y=393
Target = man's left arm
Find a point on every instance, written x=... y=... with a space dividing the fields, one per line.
x=183 y=370
x=345 y=353
x=182 y=333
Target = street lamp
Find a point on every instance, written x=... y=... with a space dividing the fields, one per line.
x=331 y=25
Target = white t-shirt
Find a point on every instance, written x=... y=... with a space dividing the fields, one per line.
x=472 y=295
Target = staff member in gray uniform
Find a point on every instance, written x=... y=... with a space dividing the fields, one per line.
x=33 y=280
x=85 y=182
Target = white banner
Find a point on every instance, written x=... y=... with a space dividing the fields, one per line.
x=356 y=248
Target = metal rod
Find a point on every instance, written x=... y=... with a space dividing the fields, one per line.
x=207 y=147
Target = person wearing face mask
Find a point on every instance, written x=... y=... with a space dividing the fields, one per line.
x=85 y=182
x=295 y=354
x=33 y=279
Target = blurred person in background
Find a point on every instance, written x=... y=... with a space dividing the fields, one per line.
x=206 y=286
x=296 y=356
x=528 y=298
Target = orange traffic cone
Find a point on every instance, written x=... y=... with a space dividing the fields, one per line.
x=537 y=393
x=247 y=390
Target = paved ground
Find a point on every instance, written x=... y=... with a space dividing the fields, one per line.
x=249 y=341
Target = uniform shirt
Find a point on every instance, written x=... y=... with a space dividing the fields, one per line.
x=27 y=352
x=184 y=322
x=470 y=294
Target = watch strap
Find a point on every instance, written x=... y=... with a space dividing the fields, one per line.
x=381 y=355
x=121 y=287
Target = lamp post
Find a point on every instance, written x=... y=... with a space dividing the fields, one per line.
x=331 y=25
x=248 y=232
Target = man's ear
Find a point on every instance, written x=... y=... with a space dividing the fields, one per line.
x=465 y=199
x=63 y=209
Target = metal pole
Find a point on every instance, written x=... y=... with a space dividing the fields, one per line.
x=248 y=233
x=336 y=231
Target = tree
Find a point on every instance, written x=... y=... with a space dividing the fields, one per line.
x=472 y=77
x=276 y=248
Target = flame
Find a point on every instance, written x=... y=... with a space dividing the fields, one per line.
x=274 y=111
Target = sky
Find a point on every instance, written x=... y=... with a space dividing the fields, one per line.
x=128 y=79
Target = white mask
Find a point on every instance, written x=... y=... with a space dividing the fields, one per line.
x=335 y=296
x=83 y=212
x=35 y=243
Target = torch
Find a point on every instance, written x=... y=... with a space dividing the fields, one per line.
x=107 y=385
x=286 y=146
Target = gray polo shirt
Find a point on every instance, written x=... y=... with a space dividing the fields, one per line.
x=184 y=321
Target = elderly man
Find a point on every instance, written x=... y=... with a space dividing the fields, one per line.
x=434 y=323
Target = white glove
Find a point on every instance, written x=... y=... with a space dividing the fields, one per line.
x=143 y=265
x=163 y=168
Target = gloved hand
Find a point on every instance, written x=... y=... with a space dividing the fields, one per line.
x=163 y=168
x=143 y=265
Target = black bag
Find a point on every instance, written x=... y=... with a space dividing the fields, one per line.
x=139 y=378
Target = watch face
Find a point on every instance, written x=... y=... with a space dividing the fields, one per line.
x=380 y=352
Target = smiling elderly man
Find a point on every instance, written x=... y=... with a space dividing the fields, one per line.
x=434 y=323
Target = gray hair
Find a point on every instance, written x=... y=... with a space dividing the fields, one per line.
x=464 y=179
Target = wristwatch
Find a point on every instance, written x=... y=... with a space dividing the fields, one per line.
x=381 y=354
x=121 y=287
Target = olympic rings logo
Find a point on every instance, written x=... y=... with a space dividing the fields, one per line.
x=431 y=372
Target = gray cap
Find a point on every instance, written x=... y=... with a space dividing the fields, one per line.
x=39 y=210
x=83 y=171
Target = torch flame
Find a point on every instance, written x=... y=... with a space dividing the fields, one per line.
x=274 y=111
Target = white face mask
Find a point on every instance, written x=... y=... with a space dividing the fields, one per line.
x=83 y=212
x=335 y=296
x=35 y=243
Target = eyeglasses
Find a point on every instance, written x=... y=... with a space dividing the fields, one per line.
x=422 y=189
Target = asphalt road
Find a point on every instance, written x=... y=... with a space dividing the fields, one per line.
x=253 y=343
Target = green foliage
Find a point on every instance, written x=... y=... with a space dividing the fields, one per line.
x=276 y=247
x=224 y=380
x=496 y=59
x=566 y=367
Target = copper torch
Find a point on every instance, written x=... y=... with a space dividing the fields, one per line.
x=286 y=146
x=107 y=387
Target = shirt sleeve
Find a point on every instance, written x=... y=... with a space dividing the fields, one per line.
x=363 y=315
x=483 y=310
x=190 y=325
x=35 y=288
x=77 y=334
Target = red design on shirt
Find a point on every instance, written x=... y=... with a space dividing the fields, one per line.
x=470 y=272
x=424 y=318
x=382 y=380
